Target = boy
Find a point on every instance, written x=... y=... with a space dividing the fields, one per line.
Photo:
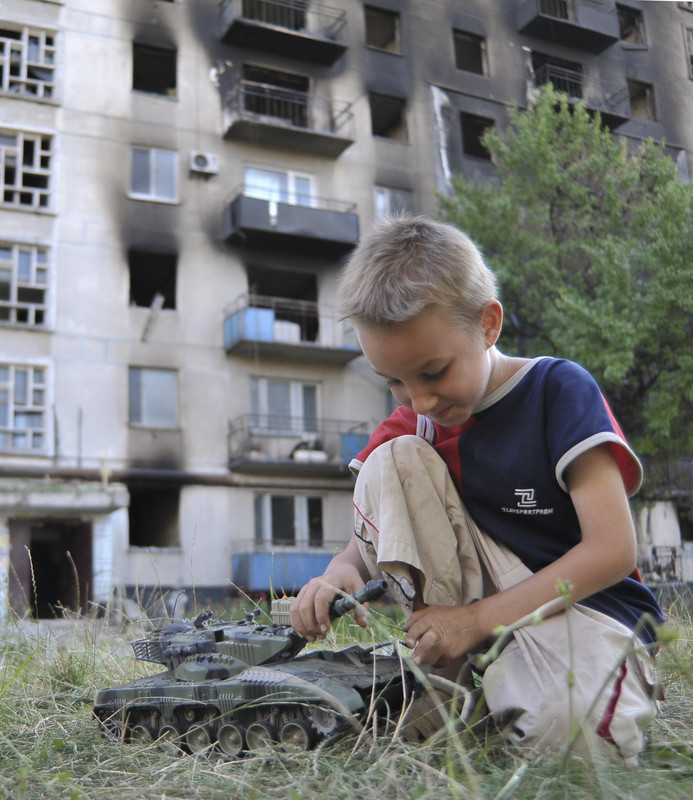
x=495 y=481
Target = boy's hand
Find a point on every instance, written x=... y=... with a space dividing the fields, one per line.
x=441 y=634
x=310 y=611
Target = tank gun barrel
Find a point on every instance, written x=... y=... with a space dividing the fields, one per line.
x=373 y=590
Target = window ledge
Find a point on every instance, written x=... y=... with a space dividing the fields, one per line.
x=148 y=199
x=48 y=101
x=139 y=426
x=171 y=98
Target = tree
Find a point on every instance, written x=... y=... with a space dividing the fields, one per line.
x=592 y=243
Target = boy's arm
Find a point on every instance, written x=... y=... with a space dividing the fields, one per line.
x=606 y=555
x=310 y=616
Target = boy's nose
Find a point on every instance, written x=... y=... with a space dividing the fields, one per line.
x=422 y=402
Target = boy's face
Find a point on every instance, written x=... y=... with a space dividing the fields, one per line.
x=434 y=366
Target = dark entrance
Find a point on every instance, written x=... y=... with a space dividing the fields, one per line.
x=50 y=567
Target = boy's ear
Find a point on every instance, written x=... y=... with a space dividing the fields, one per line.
x=492 y=321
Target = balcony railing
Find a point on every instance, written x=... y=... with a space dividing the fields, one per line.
x=296 y=328
x=266 y=443
x=612 y=103
x=260 y=566
x=295 y=28
x=273 y=219
x=268 y=114
x=562 y=80
x=575 y=23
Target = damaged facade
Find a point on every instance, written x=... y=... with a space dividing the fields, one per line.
x=181 y=183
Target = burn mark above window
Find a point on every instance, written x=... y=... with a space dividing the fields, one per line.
x=153 y=69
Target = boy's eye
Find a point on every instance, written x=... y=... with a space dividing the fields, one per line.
x=435 y=376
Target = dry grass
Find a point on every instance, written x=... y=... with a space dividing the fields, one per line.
x=50 y=745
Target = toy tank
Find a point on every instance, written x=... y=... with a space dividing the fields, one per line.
x=241 y=686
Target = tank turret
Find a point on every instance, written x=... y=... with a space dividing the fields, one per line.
x=237 y=686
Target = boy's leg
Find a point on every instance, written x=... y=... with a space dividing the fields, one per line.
x=413 y=529
x=580 y=675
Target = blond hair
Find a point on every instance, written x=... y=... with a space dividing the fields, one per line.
x=405 y=265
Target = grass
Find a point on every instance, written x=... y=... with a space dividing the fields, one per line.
x=50 y=745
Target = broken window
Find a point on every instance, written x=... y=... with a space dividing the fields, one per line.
x=564 y=76
x=23 y=407
x=288 y=520
x=283 y=405
x=271 y=93
x=641 y=100
x=630 y=24
x=154 y=174
x=387 y=116
x=473 y=129
x=391 y=202
x=153 y=69
x=153 y=397
x=382 y=29
x=27 y=62
x=153 y=516
x=23 y=284
x=26 y=169
x=152 y=275
x=470 y=52
x=292 y=297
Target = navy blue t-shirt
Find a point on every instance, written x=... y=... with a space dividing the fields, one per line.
x=508 y=463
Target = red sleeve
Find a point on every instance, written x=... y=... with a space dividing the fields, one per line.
x=401 y=422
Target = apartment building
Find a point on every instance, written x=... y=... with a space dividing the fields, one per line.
x=182 y=180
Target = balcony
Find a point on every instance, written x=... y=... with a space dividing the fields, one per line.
x=293 y=28
x=283 y=328
x=572 y=23
x=260 y=443
x=611 y=102
x=275 y=116
x=320 y=227
x=259 y=567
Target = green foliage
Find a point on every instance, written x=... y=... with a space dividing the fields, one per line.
x=592 y=243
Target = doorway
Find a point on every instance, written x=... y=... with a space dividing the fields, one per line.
x=50 y=567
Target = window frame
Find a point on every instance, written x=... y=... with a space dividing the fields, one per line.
x=263 y=513
x=296 y=422
x=17 y=85
x=31 y=282
x=371 y=13
x=171 y=92
x=290 y=195
x=38 y=146
x=140 y=402
x=460 y=33
x=37 y=405
x=389 y=199
x=152 y=171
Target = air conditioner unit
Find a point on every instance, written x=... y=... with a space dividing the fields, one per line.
x=206 y=163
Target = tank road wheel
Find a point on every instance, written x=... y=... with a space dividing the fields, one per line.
x=232 y=738
x=324 y=721
x=198 y=739
x=169 y=740
x=142 y=735
x=297 y=735
x=260 y=735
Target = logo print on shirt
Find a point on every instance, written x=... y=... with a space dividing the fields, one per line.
x=526 y=498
